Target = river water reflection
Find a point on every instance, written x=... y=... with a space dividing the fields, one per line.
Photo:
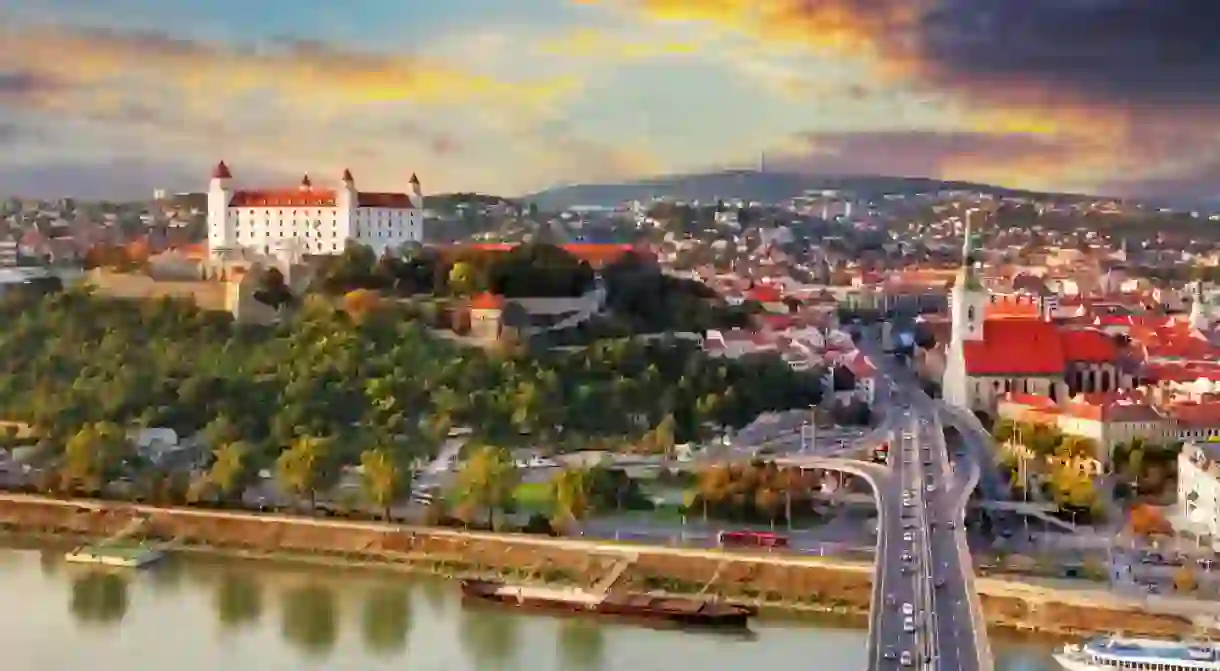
x=196 y=614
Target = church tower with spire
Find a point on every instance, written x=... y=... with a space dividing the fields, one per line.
x=1200 y=317
x=967 y=306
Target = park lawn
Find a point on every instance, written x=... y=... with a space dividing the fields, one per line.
x=533 y=497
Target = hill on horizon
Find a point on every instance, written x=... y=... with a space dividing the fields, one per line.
x=766 y=187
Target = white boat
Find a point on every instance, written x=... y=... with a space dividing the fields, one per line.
x=1109 y=653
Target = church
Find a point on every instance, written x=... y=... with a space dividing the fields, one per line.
x=988 y=356
x=308 y=220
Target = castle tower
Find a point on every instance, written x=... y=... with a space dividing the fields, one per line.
x=967 y=305
x=221 y=237
x=417 y=191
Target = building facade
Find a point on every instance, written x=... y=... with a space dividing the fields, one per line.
x=307 y=220
x=1199 y=489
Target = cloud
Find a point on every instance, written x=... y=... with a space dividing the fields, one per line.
x=589 y=43
x=291 y=71
x=1125 y=83
x=280 y=107
x=920 y=153
x=1125 y=52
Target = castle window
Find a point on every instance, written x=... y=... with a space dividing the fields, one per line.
x=970 y=313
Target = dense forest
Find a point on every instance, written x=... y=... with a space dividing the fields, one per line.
x=72 y=360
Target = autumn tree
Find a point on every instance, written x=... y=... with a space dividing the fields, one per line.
x=231 y=469
x=93 y=454
x=1184 y=579
x=1147 y=520
x=463 y=279
x=488 y=479
x=570 y=491
x=360 y=304
x=303 y=468
x=382 y=479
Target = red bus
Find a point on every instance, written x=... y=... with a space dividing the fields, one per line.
x=758 y=539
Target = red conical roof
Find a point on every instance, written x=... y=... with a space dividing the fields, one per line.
x=221 y=171
x=347 y=175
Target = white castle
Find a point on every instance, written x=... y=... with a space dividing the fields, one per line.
x=290 y=223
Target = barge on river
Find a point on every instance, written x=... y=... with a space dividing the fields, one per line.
x=672 y=611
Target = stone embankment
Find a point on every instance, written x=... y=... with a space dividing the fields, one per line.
x=785 y=582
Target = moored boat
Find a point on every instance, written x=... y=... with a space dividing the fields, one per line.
x=674 y=611
x=1115 y=653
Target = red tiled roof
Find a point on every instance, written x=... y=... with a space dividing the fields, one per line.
x=764 y=293
x=591 y=252
x=221 y=171
x=1088 y=346
x=1195 y=414
x=310 y=197
x=283 y=198
x=1016 y=347
x=486 y=301
x=1032 y=400
x=389 y=201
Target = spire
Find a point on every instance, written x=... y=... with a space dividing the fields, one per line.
x=347 y=176
x=305 y=183
x=414 y=179
x=968 y=241
x=221 y=171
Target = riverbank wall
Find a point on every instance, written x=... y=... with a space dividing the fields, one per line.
x=777 y=581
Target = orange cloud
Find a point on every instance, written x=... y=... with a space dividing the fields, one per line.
x=80 y=61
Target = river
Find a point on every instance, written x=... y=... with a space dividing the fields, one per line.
x=197 y=614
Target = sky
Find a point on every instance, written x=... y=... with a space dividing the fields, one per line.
x=113 y=98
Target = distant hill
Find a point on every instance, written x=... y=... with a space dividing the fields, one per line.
x=767 y=187
x=450 y=201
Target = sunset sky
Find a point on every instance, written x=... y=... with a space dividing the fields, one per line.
x=116 y=97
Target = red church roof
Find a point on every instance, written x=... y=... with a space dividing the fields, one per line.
x=1016 y=347
x=1035 y=347
x=1088 y=346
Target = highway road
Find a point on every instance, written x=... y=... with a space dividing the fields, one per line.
x=926 y=539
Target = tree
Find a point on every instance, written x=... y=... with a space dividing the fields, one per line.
x=273 y=289
x=231 y=469
x=1077 y=447
x=302 y=468
x=1184 y=579
x=381 y=478
x=463 y=279
x=664 y=436
x=570 y=491
x=488 y=479
x=93 y=454
x=1003 y=429
x=768 y=502
x=1147 y=520
x=360 y=304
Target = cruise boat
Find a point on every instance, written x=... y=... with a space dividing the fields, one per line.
x=1139 y=654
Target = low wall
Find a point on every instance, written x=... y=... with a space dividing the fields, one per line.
x=785 y=581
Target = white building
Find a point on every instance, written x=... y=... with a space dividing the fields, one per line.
x=8 y=253
x=1199 y=489
x=307 y=220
